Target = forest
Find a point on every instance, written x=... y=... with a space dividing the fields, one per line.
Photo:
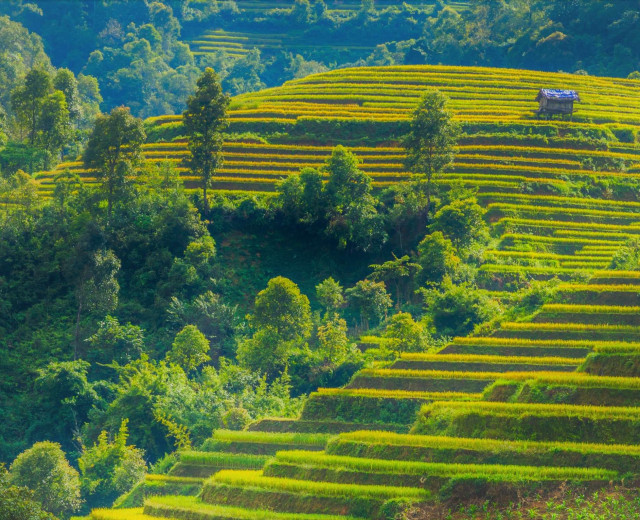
x=212 y=219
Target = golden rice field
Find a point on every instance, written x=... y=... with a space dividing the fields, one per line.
x=548 y=397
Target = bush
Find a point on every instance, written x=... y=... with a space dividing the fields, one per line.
x=44 y=469
x=462 y=222
x=408 y=335
x=455 y=310
x=236 y=419
x=110 y=469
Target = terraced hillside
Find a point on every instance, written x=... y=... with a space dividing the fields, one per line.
x=238 y=44
x=551 y=399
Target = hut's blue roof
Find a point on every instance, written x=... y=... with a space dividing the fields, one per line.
x=553 y=93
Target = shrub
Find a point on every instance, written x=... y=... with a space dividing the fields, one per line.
x=455 y=310
x=236 y=419
x=408 y=335
x=44 y=469
x=112 y=468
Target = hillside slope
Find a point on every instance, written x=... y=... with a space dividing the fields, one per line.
x=550 y=399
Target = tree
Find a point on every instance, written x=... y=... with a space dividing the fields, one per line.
x=113 y=150
x=215 y=319
x=53 y=125
x=27 y=100
x=203 y=121
x=410 y=335
x=461 y=221
x=330 y=295
x=110 y=469
x=190 y=349
x=627 y=257
x=333 y=340
x=116 y=342
x=66 y=82
x=284 y=309
x=97 y=287
x=351 y=209
x=437 y=257
x=266 y=352
x=19 y=503
x=431 y=141
x=65 y=391
x=44 y=469
x=371 y=299
x=454 y=310
x=43 y=112
x=394 y=272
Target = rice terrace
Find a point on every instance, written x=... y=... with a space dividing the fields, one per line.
x=320 y=260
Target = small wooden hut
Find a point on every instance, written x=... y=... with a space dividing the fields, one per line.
x=556 y=101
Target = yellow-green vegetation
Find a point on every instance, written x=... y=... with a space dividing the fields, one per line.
x=223 y=460
x=522 y=403
x=485 y=471
x=257 y=479
x=183 y=506
x=119 y=514
x=313 y=439
x=389 y=438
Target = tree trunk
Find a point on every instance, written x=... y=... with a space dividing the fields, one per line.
x=206 y=200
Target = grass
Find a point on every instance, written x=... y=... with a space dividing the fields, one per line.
x=470 y=358
x=579 y=379
x=257 y=479
x=523 y=342
x=456 y=443
x=396 y=394
x=483 y=471
x=589 y=309
x=120 y=514
x=570 y=327
x=168 y=479
x=537 y=410
x=193 y=508
x=303 y=439
x=222 y=460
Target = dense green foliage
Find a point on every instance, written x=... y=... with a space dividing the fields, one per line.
x=44 y=469
x=143 y=306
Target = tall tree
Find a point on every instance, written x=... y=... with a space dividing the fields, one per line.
x=97 y=287
x=28 y=98
x=54 y=125
x=352 y=215
x=431 y=142
x=204 y=120
x=394 y=273
x=113 y=149
x=190 y=349
x=66 y=82
x=371 y=299
x=283 y=308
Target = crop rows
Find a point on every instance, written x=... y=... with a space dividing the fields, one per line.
x=397 y=439
x=537 y=410
x=580 y=379
x=192 y=508
x=464 y=358
x=257 y=479
x=484 y=471
x=395 y=394
x=222 y=460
